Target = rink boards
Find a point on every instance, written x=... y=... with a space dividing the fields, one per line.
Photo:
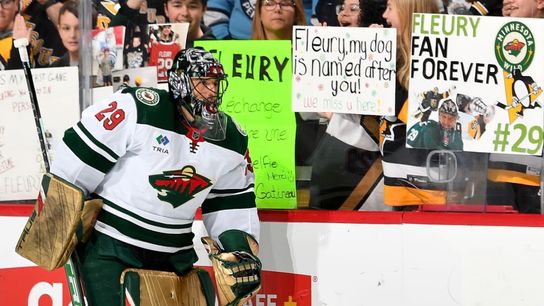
x=351 y=258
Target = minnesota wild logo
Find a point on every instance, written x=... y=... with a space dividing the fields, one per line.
x=178 y=186
x=147 y=96
x=514 y=46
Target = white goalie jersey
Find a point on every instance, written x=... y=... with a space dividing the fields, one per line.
x=153 y=172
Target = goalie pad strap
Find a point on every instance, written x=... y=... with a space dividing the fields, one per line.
x=158 y=288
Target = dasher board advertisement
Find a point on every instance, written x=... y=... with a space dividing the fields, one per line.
x=476 y=84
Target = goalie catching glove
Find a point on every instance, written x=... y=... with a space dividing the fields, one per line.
x=237 y=268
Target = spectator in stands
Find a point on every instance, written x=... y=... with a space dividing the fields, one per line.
x=349 y=13
x=326 y=12
x=45 y=44
x=372 y=12
x=190 y=11
x=68 y=26
x=512 y=179
x=486 y=7
x=523 y=8
x=406 y=184
x=9 y=58
x=232 y=19
x=347 y=170
x=52 y=9
x=42 y=17
x=274 y=19
x=515 y=179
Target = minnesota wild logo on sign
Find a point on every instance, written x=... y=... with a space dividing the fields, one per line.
x=514 y=46
x=178 y=186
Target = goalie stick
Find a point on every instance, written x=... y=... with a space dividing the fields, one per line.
x=71 y=269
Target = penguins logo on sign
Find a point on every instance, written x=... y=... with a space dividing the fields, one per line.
x=514 y=46
x=147 y=96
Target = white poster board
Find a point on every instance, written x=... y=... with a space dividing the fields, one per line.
x=21 y=162
x=344 y=70
x=491 y=69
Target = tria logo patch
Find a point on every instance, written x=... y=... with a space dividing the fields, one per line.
x=179 y=186
x=162 y=141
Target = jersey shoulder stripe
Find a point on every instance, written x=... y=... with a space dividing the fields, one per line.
x=154 y=108
x=85 y=152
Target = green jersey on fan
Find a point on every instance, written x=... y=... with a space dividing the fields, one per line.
x=445 y=134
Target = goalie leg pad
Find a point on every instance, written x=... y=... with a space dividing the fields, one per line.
x=49 y=236
x=158 y=288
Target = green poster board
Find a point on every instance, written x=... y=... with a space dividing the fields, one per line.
x=259 y=98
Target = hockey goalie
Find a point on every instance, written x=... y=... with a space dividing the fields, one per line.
x=152 y=158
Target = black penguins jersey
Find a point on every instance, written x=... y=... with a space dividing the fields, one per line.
x=406 y=181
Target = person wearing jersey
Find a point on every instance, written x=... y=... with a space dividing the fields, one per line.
x=154 y=157
x=162 y=51
x=445 y=134
x=515 y=179
x=38 y=23
x=406 y=180
x=485 y=7
x=346 y=164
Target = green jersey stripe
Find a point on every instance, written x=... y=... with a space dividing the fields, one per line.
x=137 y=232
x=231 y=191
x=96 y=142
x=244 y=200
x=143 y=219
x=85 y=153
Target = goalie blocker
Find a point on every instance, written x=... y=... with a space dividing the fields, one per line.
x=59 y=220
